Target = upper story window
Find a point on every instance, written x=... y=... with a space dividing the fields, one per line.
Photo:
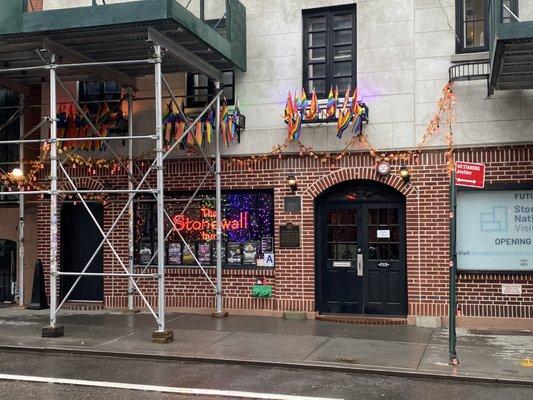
x=473 y=24
x=99 y=91
x=329 y=49
x=201 y=89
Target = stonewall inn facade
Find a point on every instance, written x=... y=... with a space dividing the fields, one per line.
x=335 y=189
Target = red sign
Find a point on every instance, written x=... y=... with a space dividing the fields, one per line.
x=469 y=174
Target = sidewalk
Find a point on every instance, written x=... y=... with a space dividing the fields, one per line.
x=314 y=344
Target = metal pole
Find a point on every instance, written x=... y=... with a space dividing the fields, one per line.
x=218 y=201
x=452 y=335
x=53 y=195
x=130 y=187
x=160 y=195
x=21 y=210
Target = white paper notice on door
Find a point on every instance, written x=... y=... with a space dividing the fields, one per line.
x=383 y=233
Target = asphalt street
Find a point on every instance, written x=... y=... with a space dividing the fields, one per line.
x=223 y=377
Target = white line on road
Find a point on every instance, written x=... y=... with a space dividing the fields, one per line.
x=161 y=389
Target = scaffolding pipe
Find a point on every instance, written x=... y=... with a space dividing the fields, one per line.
x=53 y=195
x=114 y=274
x=21 y=232
x=77 y=65
x=129 y=96
x=160 y=182
x=218 y=202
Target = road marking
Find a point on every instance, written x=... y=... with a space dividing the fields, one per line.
x=527 y=362
x=161 y=389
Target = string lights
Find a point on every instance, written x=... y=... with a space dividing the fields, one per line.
x=445 y=114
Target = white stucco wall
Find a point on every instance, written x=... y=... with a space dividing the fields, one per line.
x=404 y=50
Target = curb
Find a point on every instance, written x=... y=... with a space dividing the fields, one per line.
x=317 y=366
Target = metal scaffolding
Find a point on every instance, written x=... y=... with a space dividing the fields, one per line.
x=135 y=185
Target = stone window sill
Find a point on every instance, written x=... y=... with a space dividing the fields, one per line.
x=468 y=57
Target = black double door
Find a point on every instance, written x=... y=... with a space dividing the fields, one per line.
x=361 y=259
x=80 y=238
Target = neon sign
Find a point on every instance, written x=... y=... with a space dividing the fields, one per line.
x=209 y=223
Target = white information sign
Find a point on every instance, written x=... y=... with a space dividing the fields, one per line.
x=383 y=234
x=495 y=230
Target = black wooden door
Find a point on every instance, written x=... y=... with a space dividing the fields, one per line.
x=341 y=240
x=361 y=252
x=8 y=250
x=79 y=239
x=385 y=280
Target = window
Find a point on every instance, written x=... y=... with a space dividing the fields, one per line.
x=99 y=91
x=9 y=153
x=329 y=48
x=495 y=229
x=247 y=226
x=200 y=89
x=472 y=23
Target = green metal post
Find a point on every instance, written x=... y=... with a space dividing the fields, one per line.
x=452 y=337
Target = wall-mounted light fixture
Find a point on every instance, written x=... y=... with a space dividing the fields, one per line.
x=291 y=181
x=405 y=174
x=17 y=173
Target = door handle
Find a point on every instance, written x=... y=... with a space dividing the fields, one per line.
x=359 y=264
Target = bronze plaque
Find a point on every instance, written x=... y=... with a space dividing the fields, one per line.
x=292 y=204
x=289 y=236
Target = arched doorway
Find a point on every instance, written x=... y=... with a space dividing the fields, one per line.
x=8 y=252
x=361 y=250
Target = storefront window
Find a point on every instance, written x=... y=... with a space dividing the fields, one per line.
x=495 y=230
x=247 y=228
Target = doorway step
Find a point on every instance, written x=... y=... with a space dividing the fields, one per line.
x=83 y=305
x=362 y=319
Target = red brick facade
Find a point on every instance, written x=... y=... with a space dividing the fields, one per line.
x=427 y=207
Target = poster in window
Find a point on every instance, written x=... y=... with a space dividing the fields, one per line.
x=188 y=258
x=234 y=253
x=267 y=244
x=204 y=253
x=145 y=255
x=174 y=254
x=250 y=252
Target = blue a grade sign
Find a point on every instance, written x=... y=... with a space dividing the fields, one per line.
x=495 y=230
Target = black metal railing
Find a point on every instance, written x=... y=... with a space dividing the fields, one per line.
x=469 y=71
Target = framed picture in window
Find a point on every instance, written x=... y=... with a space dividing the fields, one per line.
x=174 y=254
x=234 y=253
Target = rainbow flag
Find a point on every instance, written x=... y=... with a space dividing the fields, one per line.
x=295 y=126
x=345 y=115
x=288 y=112
x=303 y=102
x=209 y=123
x=331 y=104
x=224 y=126
x=199 y=134
x=314 y=110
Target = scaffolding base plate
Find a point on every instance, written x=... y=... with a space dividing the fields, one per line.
x=52 y=331
x=163 y=336
x=222 y=314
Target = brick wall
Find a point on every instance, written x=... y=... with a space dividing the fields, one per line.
x=34 y=5
x=293 y=278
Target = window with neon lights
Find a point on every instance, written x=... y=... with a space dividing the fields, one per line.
x=247 y=230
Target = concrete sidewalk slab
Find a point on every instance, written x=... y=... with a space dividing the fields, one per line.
x=187 y=342
x=503 y=362
x=264 y=347
x=206 y=322
x=392 y=333
x=370 y=352
x=281 y=326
